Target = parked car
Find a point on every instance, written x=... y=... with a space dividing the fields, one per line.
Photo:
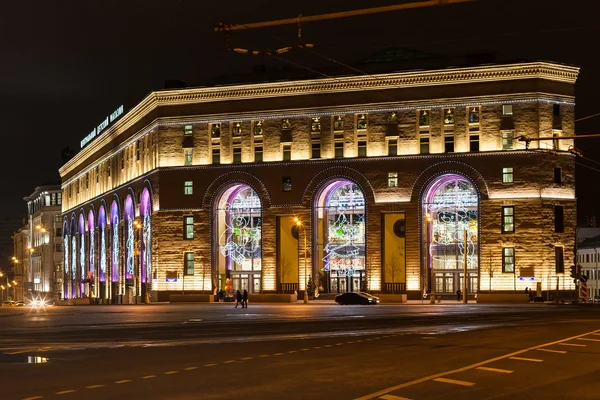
x=8 y=303
x=370 y=295
x=19 y=304
x=355 y=298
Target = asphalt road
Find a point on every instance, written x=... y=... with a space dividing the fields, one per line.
x=297 y=351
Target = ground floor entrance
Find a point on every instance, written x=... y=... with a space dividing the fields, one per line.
x=343 y=282
x=449 y=281
x=246 y=281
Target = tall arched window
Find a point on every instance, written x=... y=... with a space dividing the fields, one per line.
x=450 y=207
x=340 y=233
x=130 y=238
x=114 y=245
x=239 y=221
x=92 y=248
x=66 y=263
x=102 y=255
x=82 y=258
x=145 y=245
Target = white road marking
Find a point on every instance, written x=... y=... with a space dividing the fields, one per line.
x=66 y=391
x=455 y=382
x=503 y=371
x=148 y=376
x=94 y=386
x=191 y=368
x=553 y=351
x=526 y=359
x=123 y=381
x=392 y=397
x=573 y=344
x=171 y=372
x=34 y=398
x=589 y=339
x=210 y=365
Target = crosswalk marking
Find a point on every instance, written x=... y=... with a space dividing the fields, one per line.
x=94 y=386
x=123 y=381
x=589 y=339
x=572 y=344
x=455 y=382
x=171 y=372
x=148 y=376
x=34 y=398
x=553 y=351
x=504 y=371
x=65 y=391
x=191 y=368
x=526 y=359
x=392 y=397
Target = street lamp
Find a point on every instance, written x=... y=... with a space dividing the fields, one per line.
x=300 y=225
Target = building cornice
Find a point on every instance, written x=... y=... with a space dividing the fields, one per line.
x=450 y=76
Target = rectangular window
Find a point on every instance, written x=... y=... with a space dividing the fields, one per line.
x=559 y=219
x=189 y=262
x=473 y=143
x=315 y=125
x=556 y=110
x=361 y=121
x=237 y=129
x=449 y=116
x=393 y=117
x=449 y=144
x=59 y=199
x=423 y=117
x=258 y=153
x=189 y=156
x=507 y=140
x=338 y=123
x=507 y=109
x=123 y=160
x=557 y=175
x=287 y=152
x=362 y=148
x=508 y=219
x=287 y=183
x=286 y=123
x=393 y=147
x=137 y=151
x=108 y=169
x=216 y=156
x=508 y=259
x=424 y=145
x=215 y=130
x=59 y=247
x=97 y=174
x=87 y=181
x=187 y=130
x=392 y=179
x=188 y=227
x=473 y=115
x=507 y=175
x=316 y=150
x=258 y=127
x=188 y=187
x=237 y=155
x=559 y=260
x=339 y=149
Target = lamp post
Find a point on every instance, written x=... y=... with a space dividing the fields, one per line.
x=300 y=225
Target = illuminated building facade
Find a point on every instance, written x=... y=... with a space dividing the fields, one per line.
x=195 y=190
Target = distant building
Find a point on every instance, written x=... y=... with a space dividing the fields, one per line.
x=588 y=257
x=195 y=189
x=21 y=252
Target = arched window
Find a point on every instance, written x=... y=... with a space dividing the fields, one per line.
x=146 y=246
x=114 y=226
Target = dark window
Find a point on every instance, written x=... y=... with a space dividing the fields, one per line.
x=137 y=151
x=216 y=156
x=97 y=174
x=215 y=130
x=188 y=227
x=449 y=116
x=316 y=150
x=362 y=149
x=123 y=160
x=449 y=144
x=559 y=260
x=315 y=125
x=58 y=232
x=473 y=115
x=423 y=118
x=393 y=117
x=286 y=123
x=189 y=262
x=424 y=145
x=393 y=147
x=338 y=123
x=508 y=219
x=559 y=219
x=474 y=143
x=361 y=122
x=237 y=129
x=339 y=149
x=287 y=152
x=508 y=259
x=258 y=127
x=557 y=175
x=258 y=154
x=556 y=110
x=59 y=248
x=237 y=155
x=287 y=183
x=108 y=169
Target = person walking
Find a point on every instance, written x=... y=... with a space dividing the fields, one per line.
x=458 y=294
x=238 y=299
x=245 y=299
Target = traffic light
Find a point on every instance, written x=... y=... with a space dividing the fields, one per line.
x=573 y=272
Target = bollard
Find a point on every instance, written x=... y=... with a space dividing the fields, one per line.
x=432 y=299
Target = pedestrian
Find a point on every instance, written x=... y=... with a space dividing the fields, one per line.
x=245 y=299
x=238 y=299
x=458 y=295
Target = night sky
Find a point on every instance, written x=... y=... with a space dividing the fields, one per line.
x=67 y=64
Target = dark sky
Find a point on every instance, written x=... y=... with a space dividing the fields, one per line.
x=66 y=64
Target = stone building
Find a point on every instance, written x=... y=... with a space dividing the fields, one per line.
x=588 y=258
x=195 y=190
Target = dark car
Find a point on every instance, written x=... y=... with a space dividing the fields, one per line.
x=354 y=298
x=370 y=295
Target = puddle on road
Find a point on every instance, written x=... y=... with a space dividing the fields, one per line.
x=23 y=359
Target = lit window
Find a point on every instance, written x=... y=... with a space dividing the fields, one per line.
x=392 y=179
x=215 y=130
x=187 y=130
x=188 y=187
x=189 y=262
x=507 y=175
x=473 y=115
x=557 y=175
x=449 y=116
x=508 y=219
x=315 y=125
x=559 y=219
x=286 y=124
x=393 y=147
x=216 y=156
x=559 y=260
x=362 y=148
x=423 y=117
x=258 y=127
x=287 y=183
x=449 y=143
x=189 y=156
x=188 y=227
x=287 y=152
x=393 y=117
x=507 y=109
x=258 y=154
x=424 y=145
x=316 y=150
x=474 y=143
x=339 y=149
x=361 y=121
x=507 y=140
x=237 y=129
x=338 y=123
x=508 y=259
x=237 y=155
